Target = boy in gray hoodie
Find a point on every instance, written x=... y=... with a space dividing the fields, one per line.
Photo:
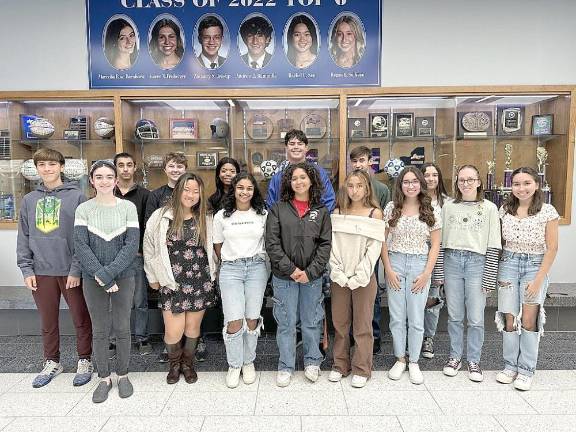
x=45 y=257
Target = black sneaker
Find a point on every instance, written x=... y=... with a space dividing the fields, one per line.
x=376 y=349
x=112 y=351
x=201 y=352
x=144 y=348
x=428 y=348
x=163 y=357
x=298 y=338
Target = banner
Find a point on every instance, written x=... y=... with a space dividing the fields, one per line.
x=233 y=43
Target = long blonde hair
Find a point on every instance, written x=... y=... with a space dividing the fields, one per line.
x=198 y=211
x=344 y=201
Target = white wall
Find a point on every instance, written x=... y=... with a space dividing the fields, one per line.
x=448 y=42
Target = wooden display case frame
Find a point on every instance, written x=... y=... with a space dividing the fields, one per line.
x=342 y=94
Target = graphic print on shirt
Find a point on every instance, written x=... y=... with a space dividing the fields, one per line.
x=471 y=219
x=48 y=214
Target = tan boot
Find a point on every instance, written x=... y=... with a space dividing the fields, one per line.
x=174 y=359
x=187 y=364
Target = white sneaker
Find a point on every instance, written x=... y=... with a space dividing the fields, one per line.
x=416 y=376
x=506 y=376
x=49 y=372
x=334 y=376
x=523 y=382
x=452 y=367
x=233 y=377
x=312 y=372
x=474 y=372
x=283 y=378
x=397 y=370
x=248 y=373
x=358 y=381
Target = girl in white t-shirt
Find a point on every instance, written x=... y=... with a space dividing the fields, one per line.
x=409 y=254
x=239 y=243
x=530 y=238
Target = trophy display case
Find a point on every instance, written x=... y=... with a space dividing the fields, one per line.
x=81 y=129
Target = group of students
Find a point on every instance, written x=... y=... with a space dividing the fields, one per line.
x=434 y=249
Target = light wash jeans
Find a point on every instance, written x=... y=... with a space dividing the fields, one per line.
x=295 y=302
x=404 y=305
x=465 y=298
x=242 y=285
x=520 y=346
x=140 y=311
x=432 y=313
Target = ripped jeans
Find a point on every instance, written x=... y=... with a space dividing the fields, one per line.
x=520 y=346
x=242 y=285
x=432 y=313
x=295 y=302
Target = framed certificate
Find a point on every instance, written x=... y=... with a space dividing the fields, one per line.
x=184 y=128
x=206 y=160
x=71 y=134
x=404 y=125
x=542 y=124
x=378 y=125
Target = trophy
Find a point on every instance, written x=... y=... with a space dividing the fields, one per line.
x=542 y=157
x=508 y=165
x=490 y=175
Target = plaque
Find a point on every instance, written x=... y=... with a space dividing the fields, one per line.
x=206 y=160
x=510 y=120
x=71 y=134
x=357 y=127
x=184 y=128
x=80 y=123
x=424 y=126
x=378 y=125
x=542 y=124
x=260 y=127
x=284 y=126
x=314 y=126
x=476 y=123
x=404 y=125
x=5 y=148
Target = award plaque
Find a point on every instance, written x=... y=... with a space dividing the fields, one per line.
x=260 y=127
x=424 y=126
x=284 y=126
x=314 y=126
x=542 y=124
x=510 y=120
x=476 y=123
x=357 y=127
x=378 y=125
x=80 y=123
x=206 y=160
x=404 y=125
x=5 y=148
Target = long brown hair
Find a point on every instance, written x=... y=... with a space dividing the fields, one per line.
x=512 y=203
x=343 y=202
x=426 y=211
x=198 y=211
x=479 y=190
x=441 y=193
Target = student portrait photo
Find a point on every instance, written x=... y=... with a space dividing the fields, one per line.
x=121 y=42
x=166 y=41
x=301 y=42
x=213 y=41
x=256 y=41
x=347 y=41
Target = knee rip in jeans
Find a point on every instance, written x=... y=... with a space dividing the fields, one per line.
x=258 y=329
x=500 y=320
x=437 y=303
x=504 y=284
x=229 y=336
x=540 y=321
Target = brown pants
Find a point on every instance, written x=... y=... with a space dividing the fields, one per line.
x=47 y=298
x=356 y=308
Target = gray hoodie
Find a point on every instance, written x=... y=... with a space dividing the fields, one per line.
x=46 y=231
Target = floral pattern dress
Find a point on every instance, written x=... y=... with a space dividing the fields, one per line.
x=191 y=271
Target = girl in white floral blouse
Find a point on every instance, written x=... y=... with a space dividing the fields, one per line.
x=412 y=225
x=530 y=238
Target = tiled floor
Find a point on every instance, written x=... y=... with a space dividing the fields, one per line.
x=441 y=404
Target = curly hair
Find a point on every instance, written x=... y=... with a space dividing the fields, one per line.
x=256 y=202
x=512 y=203
x=316 y=187
x=441 y=193
x=426 y=211
x=215 y=200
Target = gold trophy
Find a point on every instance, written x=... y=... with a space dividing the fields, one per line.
x=508 y=165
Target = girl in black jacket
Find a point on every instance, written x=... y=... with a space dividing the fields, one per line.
x=298 y=242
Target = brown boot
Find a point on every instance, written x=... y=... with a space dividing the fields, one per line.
x=188 y=360
x=174 y=359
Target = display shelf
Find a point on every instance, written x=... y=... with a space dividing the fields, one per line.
x=541 y=138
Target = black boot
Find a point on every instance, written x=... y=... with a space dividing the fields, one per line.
x=187 y=365
x=174 y=359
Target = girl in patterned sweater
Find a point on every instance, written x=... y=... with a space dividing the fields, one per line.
x=530 y=238
x=106 y=239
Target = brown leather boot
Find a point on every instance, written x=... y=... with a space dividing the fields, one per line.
x=174 y=359
x=187 y=364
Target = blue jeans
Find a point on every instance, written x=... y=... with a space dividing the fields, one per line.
x=432 y=313
x=520 y=346
x=242 y=285
x=405 y=305
x=140 y=312
x=295 y=302
x=465 y=298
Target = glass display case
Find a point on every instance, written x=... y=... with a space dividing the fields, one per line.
x=82 y=130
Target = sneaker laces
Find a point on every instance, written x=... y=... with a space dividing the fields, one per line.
x=49 y=367
x=524 y=378
x=84 y=366
x=474 y=368
x=453 y=363
x=428 y=344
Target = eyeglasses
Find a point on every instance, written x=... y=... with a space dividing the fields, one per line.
x=468 y=181
x=408 y=183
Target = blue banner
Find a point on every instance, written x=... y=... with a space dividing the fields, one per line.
x=233 y=43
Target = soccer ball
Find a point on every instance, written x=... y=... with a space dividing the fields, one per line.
x=74 y=169
x=104 y=127
x=268 y=168
x=392 y=167
x=219 y=128
x=146 y=129
x=29 y=171
x=41 y=128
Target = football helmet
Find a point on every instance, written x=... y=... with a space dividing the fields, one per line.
x=146 y=129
